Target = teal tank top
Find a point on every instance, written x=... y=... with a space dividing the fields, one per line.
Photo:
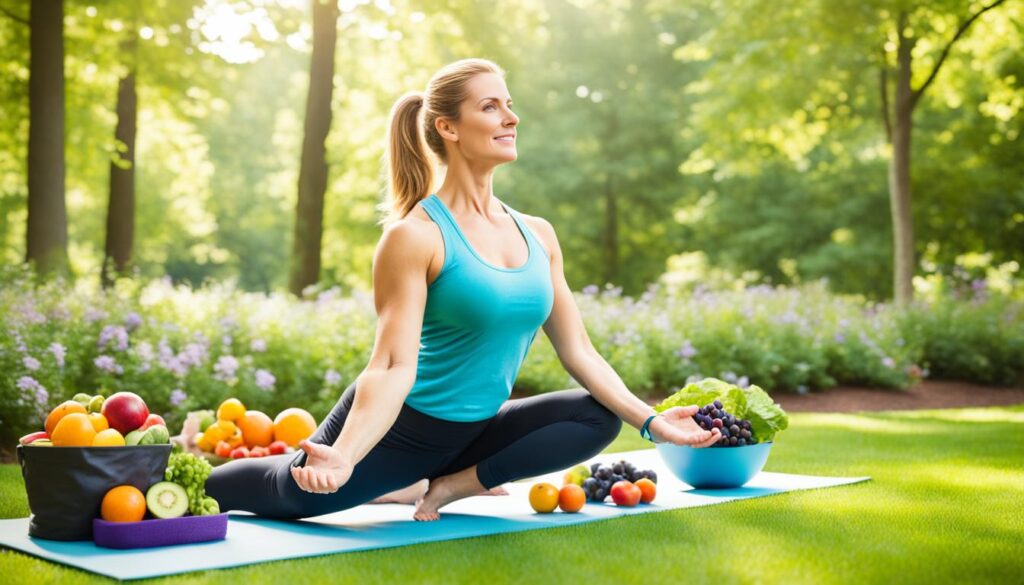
x=478 y=324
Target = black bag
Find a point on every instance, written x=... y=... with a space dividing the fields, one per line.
x=66 y=485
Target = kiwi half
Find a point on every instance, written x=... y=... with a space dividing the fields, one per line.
x=166 y=499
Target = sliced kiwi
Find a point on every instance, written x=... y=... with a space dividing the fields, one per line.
x=166 y=499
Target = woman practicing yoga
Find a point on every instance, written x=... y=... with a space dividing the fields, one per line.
x=461 y=284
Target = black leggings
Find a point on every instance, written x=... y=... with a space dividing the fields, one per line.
x=528 y=437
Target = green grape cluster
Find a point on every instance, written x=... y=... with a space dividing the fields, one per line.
x=190 y=472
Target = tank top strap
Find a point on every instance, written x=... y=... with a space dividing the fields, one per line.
x=531 y=238
x=440 y=216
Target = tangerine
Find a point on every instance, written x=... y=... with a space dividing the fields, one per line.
x=257 y=429
x=231 y=409
x=108 y=438
x=293 y=425
x=60 y=411
x=648 y=489
x=73 y=430
x=235 y=440
x=99 y=422
x=544 y=497
x=124 y=503
x=571 y=498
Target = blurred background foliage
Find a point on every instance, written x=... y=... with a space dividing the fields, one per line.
x=657 y=137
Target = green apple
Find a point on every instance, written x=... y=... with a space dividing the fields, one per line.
x=95 y=403
x=83 y=399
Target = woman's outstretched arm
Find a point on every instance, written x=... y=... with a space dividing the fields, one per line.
x=400 y=294
x=577 y=354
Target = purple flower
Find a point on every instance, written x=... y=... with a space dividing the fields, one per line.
x=115 y=333
x=30 y=384
x=59 y=352
x=228 y=322
x=177 y=397
x=92 y=315
x=108 y=364
x=687 y=351
x=31 y=363
x=729 y=377
x=840 y=338
x=888 y=362
x=226 y=340
x=132 y=321
x=332 y=377
x=590 y=289
x=194 y=354
x=265 y=379
x=743 y=382
x=225 y=367
x=258 y=345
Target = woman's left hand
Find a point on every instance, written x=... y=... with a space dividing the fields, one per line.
x=676 y=426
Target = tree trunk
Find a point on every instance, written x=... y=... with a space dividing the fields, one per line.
x=121 y=207
x=611 y=233
x=305 y=266
x=899 y=172
x=47 y=233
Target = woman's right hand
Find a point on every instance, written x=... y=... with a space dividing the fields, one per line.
x=326 y=469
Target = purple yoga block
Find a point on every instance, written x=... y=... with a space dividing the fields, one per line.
x=159 y=532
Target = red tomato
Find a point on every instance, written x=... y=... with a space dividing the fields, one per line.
x=240 y=453
x=625 y=493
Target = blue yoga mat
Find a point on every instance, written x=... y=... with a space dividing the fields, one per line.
x=253 y=540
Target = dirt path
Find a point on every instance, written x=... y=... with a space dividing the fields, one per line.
x=927 y=394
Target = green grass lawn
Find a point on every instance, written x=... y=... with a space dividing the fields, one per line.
x=946 y=504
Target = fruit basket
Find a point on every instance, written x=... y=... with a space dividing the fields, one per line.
x=65 y=485
x=159 y=532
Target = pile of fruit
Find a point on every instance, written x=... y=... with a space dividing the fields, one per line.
x=182 y=491
x=735 y=432
x=94 y=421
x=235 y=433
x=626 y=485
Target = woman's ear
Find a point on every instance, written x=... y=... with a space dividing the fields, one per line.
x=445 y=129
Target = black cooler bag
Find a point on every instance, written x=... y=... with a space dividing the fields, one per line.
x=66 y=485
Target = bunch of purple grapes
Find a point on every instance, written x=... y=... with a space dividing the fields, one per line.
x=735 y=432
x=598 y=486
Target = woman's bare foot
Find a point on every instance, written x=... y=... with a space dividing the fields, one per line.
x=494 y=491
x=407 y=495
x=447 y=489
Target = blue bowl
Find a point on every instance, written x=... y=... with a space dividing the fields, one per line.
x=718 y=467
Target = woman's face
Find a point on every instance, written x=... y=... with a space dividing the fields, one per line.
x=486 y=131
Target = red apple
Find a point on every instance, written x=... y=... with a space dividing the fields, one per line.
x=626 y=493
x=240 y=452
x=278 y=448
x=259 y=452
x=125 y=411
x=29 y=438
x=153 y=419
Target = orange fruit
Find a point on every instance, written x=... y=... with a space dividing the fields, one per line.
x=73 y=430
x=293 y=425
x=99 y=422
x=231 y=409
x=223 y=449
x=125 y=503
x=648 y=489
x=59 y=412
x=571 y=498
x=257 y=429
x=108 y=438
x=544 y=497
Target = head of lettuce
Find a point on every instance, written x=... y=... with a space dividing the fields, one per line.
x=751 y=403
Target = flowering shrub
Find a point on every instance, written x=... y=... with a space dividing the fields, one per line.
x=184 y=349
